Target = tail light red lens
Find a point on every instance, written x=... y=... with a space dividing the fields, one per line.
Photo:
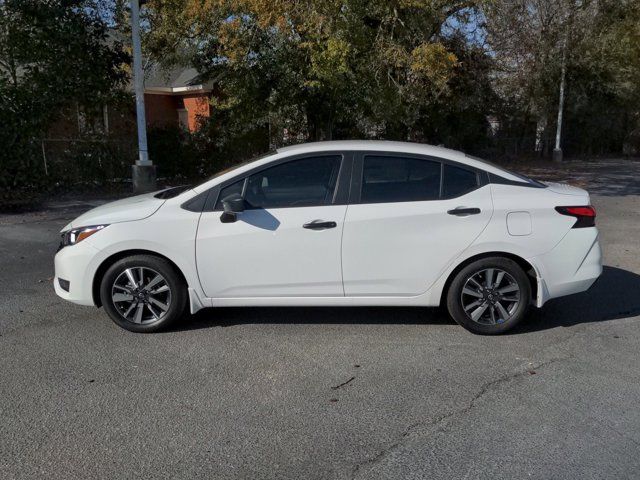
x=585 y=215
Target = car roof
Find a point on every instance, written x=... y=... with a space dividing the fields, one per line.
x=377 y=145
x=365 y=145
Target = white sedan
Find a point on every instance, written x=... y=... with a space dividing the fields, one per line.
x=337 y=224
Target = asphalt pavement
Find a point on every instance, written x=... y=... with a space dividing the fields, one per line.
x=323 y=393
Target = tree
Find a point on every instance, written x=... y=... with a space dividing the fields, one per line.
x=598 y=39
x=603 y=103
x=318 y=69
x=52 y=53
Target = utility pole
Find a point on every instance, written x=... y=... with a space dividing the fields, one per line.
x=557 y=151
x=143 y=171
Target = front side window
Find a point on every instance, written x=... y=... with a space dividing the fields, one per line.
x=235 y=188
x=388 y=179
x=307 y=182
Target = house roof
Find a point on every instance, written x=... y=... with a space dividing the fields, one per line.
x=175 y=80
x=158 y=79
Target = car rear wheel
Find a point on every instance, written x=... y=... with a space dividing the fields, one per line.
x=143 y=293
x=489 y=296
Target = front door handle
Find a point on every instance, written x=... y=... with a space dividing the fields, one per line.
x=464 y=211
x=319 y=225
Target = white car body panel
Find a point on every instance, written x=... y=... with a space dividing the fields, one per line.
x=267 y=253
x=125 y=210
x=391 y=249
x=171 y=235
x=379 y=254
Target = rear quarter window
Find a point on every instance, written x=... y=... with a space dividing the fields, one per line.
x=457 y=181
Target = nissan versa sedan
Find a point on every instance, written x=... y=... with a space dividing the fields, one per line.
x=342 y=223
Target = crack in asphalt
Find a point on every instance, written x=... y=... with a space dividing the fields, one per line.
x=343 y=384
x=523 y=370
x=414 y=428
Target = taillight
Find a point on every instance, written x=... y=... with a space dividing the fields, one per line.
x=585 y=215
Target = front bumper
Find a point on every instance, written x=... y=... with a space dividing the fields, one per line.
x=74 y=265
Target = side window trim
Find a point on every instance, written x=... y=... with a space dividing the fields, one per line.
x=212 y=198
x=245 y=184
x=341 y=193
x=358 y=172
x=355 y=192
x=349 y=184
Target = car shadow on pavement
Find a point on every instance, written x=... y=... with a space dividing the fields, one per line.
x=615 y=295
x=230 y=316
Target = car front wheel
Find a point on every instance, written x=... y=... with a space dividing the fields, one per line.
x=143 y=293
x=489 y=296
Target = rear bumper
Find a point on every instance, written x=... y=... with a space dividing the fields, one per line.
x=570 y=267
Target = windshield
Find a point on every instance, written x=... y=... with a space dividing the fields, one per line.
x=172 y=192
x=238 y=165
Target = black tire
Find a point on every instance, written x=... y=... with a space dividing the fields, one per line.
x=500 y=298
x=145 y=312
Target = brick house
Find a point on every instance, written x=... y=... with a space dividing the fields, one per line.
x=176 y=98
x=86 y=137
x=173 y=98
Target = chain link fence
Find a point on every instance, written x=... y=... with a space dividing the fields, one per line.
x=77 y=161
x=70 y=163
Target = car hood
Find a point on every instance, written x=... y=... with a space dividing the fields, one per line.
x=125 y=210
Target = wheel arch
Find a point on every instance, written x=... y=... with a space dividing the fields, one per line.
x=106 y=263
x=526 y=266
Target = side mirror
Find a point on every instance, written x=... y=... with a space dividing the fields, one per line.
x=232 y=205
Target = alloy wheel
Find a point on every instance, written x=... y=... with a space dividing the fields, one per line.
x=490 y=296
x=141 y=295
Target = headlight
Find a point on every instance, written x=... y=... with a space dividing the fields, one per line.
x=76 y=235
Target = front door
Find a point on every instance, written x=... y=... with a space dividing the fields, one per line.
x=415 y=215
x=287 y=241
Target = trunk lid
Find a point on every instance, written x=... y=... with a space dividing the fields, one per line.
x=565 y=189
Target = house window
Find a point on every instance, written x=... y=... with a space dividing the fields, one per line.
x=93 y=119
x=183 y=118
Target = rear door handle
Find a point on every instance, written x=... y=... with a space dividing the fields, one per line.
x=319 y=225
x=463 y=211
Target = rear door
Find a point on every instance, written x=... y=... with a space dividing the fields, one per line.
x=287 y=241
x=410 y=216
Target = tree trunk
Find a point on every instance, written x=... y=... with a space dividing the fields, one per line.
x=557 y=151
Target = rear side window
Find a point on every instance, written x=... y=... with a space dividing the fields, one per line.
x=458 y=181
x=388 y=179
x=307 y=182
